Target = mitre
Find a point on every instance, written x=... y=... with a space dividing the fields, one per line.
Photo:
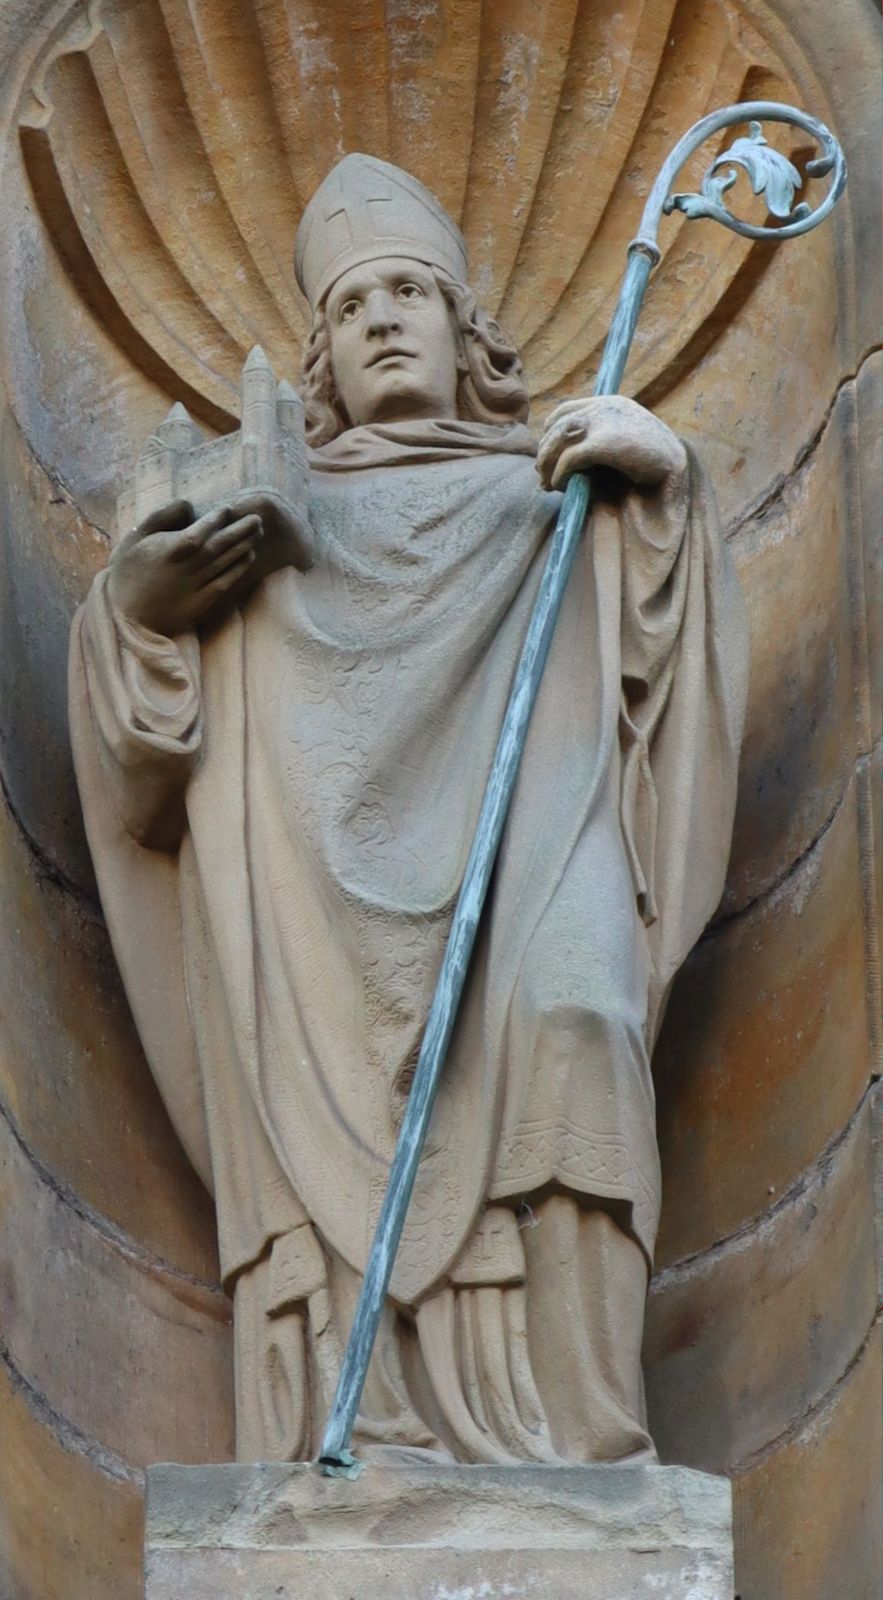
x=366 y=209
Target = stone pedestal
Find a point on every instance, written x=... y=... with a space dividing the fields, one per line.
x=409 y=1529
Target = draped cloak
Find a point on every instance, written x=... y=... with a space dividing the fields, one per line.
x=280 y=814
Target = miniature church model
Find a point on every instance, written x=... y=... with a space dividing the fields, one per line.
x=268 y=451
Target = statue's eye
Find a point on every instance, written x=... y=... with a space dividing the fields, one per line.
x=348 y=310
x=409 y=291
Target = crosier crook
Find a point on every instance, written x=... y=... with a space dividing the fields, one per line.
x=774 y=176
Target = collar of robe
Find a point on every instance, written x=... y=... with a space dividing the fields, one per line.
x=399 y=444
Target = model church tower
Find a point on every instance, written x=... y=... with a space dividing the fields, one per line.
x=268 y=451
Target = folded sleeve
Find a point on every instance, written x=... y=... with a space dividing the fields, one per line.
x=684 y=639
x=144 y=694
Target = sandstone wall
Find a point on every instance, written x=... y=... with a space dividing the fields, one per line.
x=155 y=158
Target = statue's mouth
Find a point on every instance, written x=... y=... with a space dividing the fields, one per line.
x=386 y=355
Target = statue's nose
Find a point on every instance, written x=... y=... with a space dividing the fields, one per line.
x=383 y=314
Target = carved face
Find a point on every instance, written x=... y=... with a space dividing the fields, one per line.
x=393 y=344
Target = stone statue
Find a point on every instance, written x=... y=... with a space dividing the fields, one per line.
x=282 y=731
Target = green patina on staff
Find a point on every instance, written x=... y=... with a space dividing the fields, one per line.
x=774 y=176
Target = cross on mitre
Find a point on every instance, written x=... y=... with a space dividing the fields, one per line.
x=355 y=209
x=365 y=209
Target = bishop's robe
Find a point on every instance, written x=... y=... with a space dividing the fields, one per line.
x=280 y=814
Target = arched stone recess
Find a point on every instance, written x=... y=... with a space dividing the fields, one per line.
x=764 y=1055
x=719 y=1395
x=155 y=1397
x=156 y=155
x=72 y=1514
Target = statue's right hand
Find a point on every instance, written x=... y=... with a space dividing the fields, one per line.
x=175 y=571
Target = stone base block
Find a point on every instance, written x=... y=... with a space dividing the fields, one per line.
x=417 y=1529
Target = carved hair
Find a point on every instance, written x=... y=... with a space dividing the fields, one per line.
x=491 y=387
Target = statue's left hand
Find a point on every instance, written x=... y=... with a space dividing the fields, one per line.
x=609 y=431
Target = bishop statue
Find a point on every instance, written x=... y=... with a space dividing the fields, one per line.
x=283 y=725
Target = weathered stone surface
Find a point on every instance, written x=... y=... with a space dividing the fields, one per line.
x=764 y=1053
x=48 y=554
x=866 y=464
x=792 y=326
x=800 y=744
x=71 y=1516
x=73 y=1078
x=744 y=1338
x=876 y=1117
x=416 y=1530
x=161 y=1342
x=808 y=1515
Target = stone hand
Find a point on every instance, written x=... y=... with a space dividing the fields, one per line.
x=608 y=431
x=288 y=539
x=176 y=572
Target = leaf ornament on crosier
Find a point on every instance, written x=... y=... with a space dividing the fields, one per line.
x=771 y=174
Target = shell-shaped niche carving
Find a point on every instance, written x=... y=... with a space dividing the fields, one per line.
x=172 y=145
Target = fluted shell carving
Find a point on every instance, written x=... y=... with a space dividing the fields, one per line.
x=172 y=145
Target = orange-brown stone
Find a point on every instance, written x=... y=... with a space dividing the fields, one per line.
x=764 y=1052
x=717 y=1392
x=808 y=1514
x=151 y=183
